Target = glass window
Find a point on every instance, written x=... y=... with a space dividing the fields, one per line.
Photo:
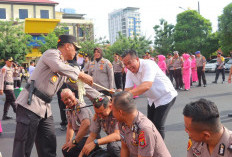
x=81 y=32
x=44 y=14
x=23 y=13
x=2 y=13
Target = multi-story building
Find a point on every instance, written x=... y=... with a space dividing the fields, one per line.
x=127 y=21
x=76 y=24
x=21 y=9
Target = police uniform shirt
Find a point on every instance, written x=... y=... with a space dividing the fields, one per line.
x=86 y=66
x=6 y=76
x=177 y=62
x=16 y=74
x=109 y=124
x=143 y=138
x=49 y=75
x=222 y=149
x=169 y=64
x=220 y=62
x=102 y=73
x=76 y=117
x=117 y=66
x=200 y=61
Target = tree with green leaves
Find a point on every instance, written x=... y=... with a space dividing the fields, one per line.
x=164 y=41
x=225 y=29
x=140 y=44
x=13 y=41
x=191 y=32
x=50 y=40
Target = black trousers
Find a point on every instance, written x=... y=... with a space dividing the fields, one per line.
x=158 y=115
x=123 y=80
x=201 y=74
x=17 y=83
x=218 y=71
x=31 y=128
x=10 y=101
x=118 y=80
x=23 y=77
x=178 y=78
x=75 y=151
x=170 y=75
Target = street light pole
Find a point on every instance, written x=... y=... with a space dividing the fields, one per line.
x=198 y=7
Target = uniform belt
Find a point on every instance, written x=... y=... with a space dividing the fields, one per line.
x=9 y=83
x=39 y=94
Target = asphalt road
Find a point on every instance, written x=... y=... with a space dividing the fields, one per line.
x=176 y=139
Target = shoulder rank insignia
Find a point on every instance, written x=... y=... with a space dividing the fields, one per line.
x=189 y=144
x=221 y=150
x=54 y=78
x=72 y=81
x=142 y=140
x=110 y=65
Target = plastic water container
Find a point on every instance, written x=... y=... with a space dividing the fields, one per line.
x=17 y=91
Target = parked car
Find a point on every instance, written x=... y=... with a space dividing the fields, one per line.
x=228 y=65
x=212 y=65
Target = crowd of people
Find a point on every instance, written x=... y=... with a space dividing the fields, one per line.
x=128 y=132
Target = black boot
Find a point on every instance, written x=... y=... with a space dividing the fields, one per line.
x=5 y=117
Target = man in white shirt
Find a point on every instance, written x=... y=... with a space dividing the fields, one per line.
x=151 y=82
x=31 y=67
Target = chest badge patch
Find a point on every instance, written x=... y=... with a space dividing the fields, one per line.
x=54 y=78
x=142 y=140
x=189 y=144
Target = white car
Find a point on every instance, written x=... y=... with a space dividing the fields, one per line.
x=211 y=65
x=228 y=65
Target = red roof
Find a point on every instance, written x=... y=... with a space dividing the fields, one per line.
x=30 y=1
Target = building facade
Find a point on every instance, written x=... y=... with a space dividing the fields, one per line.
x=127 y=21
x=22 y=9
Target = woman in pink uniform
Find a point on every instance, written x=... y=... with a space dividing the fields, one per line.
x=162 y=63
x=186 y=71
x=194 y=69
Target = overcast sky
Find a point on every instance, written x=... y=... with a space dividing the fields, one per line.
x=151 y=11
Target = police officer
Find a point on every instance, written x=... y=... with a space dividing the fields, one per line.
x=86 y=63
x=17 y=75
x=200 y=62
x=207 y=136
x=170 y=69
x=139 y=136
x=220 y=67
x=177 y=62
x=7 y=86
x=229 y=81
x=118 y=69
x=34 y=117
x=103 y=119
x=102 y=71
x=79 y=119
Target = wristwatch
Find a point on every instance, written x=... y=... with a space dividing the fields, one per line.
x=96 y=142
x=74 y=141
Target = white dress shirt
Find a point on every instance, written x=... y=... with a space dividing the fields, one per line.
x=162 y=91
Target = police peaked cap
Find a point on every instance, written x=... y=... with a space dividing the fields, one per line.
x=8 y=59
x=68 y=39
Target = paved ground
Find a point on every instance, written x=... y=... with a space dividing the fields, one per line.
x=176 y=138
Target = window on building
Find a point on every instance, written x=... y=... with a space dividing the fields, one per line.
x=66 y=30
x=2 y=13
x=23 y=13
x=44 y=14
x=81 y=32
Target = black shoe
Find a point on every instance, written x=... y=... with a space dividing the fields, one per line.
x=199 y=85
x=6 y=118
x=63 y=128
x=204 y=85
x=214 y=82
x=230 y=115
